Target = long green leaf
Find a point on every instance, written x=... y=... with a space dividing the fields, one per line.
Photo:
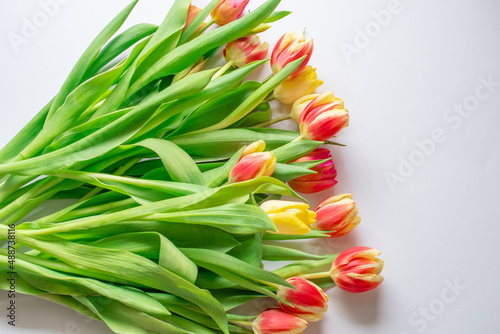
x=178 y=163
x=154 y=246
x=232 y=218
x=111 y=135
x=119 y=44
x=128 y=268
x=82 y=65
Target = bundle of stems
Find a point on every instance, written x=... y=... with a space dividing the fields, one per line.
x=155 y=240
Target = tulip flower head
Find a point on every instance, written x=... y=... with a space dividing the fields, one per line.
x=192 y=13
x=337 y=213
x=308 y=300
x=290 y=48
x=227 y=11
x=276 y=321
x=245 y=50
x=294 y=88
x=324 y=177
x=289 y=217
x=252 y=166
x=357 y=269
x=322 y=118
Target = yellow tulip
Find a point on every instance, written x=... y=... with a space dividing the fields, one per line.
x=289 y=217
x=294 y=88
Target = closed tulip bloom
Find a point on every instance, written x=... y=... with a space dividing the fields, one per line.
x=290 y=48
x=324 y=177
x=289 y=217
x=294 y=88
x=337 y=213
x=252 y=166
x=276 y=321
x=357 y=269
x=322 y=118
x=192 y=13
x=245 y=50
x=308 y=300
x=228 y=10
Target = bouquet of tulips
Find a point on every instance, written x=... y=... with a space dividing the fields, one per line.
x=175 y=182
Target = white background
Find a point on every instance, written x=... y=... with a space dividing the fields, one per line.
x=436 y=226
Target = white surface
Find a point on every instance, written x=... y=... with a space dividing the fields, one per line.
x=435 y=228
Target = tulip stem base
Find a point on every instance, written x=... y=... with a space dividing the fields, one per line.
x=241 y=322
x=273 y=121
x=316 y=275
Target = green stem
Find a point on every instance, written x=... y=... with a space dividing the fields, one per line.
x=23 y=202
x=119 y=172
x=316 y=275
x=223 y=69
x=271 y=97
x=241 y=322
x=273 y=121
x=90 y=211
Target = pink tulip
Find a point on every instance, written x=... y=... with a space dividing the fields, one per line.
x=322 y=118
x=228 y=10
x=252 y=166
x=276 y=321
x=357 y=269
x=245 y=50
x=309 y=301
x=290 y=48
x=324 y=177
x=339 y=214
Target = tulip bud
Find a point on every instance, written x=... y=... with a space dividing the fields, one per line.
x=227 y=11
x=337 y=213
x=308 y=300
x=357 y=269
x=322 y=118
x=289 y=217
x=252 y=166
x=294 y=88
x=245 y=50
x=192 y=13
x=276 y=321
x=324 y=177
x=255 y=147
x=290 y=48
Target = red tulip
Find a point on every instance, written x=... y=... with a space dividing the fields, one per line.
x=324 y=177
x=276 y=321
x=322 y=117
x=357 y=269
x=337 y=213
x=308 y=300
x=252 y=166
x=290 y=48
x=245 y=50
